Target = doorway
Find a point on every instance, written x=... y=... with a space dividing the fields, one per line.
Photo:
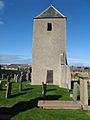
x=50 y=76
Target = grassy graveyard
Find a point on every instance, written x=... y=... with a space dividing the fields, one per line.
x=22 y=105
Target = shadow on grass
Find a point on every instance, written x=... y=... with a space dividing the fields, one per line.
x=52 y=97
x=3 y=89
x=6 y=113
x=51 y=90
x=27 y=89
x=16 y=95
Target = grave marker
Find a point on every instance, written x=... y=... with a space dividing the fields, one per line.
x=9 y=86
x=43 y=88
x=0 y=85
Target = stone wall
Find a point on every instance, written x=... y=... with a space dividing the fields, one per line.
x=47 y=49
x=65 y=77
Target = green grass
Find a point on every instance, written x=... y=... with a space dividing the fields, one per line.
x=23 y=105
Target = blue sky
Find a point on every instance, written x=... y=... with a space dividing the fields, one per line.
x=16 y=27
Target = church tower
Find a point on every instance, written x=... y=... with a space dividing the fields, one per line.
x=49 y=47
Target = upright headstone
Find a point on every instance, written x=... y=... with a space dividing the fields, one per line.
x=75 y=91
x=22 y=76
x=20 y=83
x=2 y=76
x=0 y=85
x=17 y=78
x=43 y=88
x=28 y=76
x=9 y=86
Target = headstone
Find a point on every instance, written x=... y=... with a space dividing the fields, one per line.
x=22 y=76
x=2 y=76
x=20 y=83
x=9 y=86
x=75 y=91
x=43 y=88
x=28 y=76
x=17 y=78
x=11 y=75
x=0 y=85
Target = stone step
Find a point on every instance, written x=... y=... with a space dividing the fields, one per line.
x=59 y=104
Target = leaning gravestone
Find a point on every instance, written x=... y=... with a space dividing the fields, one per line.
x=0 y=85
x=9 y=86
x=20 y=83
x=43 y=88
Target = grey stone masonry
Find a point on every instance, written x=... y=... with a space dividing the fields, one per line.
x=49 y=49
x=83 y=92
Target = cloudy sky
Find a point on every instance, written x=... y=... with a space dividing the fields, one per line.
x=16 y=27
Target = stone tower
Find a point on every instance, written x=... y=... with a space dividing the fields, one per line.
x=49 y=49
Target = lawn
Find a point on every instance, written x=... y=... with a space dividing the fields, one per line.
x=23 y=105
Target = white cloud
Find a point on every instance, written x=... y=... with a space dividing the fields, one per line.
x=14 y=59
x=1 y=5
x=79 y=61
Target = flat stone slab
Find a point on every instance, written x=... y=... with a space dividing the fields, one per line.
x=59 y=104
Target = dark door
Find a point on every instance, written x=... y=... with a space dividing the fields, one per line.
x=50 y=76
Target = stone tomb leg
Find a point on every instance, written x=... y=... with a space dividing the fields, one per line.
x=84 y=92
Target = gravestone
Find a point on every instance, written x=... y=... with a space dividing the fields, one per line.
x=0 y=85
x=2 y=76
x=43 y=88
x=9 y=86
x=22 y=76
x=28 y=76
x=17 y=78
x=20 y=83
x=75 y=91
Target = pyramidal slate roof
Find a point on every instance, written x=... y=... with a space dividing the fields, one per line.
x=50 y=12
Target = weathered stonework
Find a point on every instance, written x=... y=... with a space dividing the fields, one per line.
x=49 y=50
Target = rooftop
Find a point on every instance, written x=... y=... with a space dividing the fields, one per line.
x=50 y=12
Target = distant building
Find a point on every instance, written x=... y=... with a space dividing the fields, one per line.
x=80 y=69
x=10 y=67
x=49 y=61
